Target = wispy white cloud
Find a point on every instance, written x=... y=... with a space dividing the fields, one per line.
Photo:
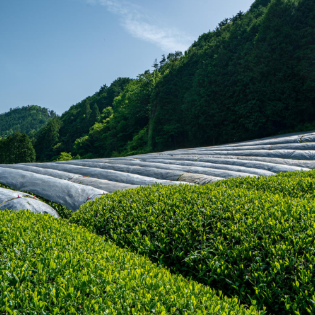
x=139 y=25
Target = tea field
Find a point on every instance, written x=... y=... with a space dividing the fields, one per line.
x=226 y=230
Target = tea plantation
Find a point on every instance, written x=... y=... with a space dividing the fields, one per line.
x=237 y=246
x=138 y=235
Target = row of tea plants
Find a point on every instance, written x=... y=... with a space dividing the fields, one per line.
x=248 y=237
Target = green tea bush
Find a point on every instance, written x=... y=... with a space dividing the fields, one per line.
x=48 y=266
x=297 y=184
x=255 y=245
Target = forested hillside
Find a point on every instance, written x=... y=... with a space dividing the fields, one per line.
x=253 y=76
x=26 y=119
x=63 y=133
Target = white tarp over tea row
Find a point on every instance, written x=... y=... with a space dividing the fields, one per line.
x=121 y=177
x=72 y=183
x=146 y=170
x=60 y=191
x=16 y=200
x=104 y=185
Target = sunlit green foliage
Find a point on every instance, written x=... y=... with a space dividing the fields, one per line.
x=248 y=237
x=49 y=266
x=78 y=120
x=290 y=184
x=66 y=156
x=258 y=245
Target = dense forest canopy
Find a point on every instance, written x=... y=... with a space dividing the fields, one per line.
x=26 y=119
x=251 y=77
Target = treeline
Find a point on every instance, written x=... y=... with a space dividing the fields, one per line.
x=26 y=119
x=253 y=76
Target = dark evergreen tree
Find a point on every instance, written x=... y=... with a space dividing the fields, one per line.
x=95 y=115
x=17 y=148
x=86 y=110
x=46 y=144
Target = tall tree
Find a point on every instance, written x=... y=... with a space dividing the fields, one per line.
x=47 y=139
x=95 y=115
x=17 y=149
x=86 y=109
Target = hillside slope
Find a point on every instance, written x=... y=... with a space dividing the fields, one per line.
x=62 y=132
x=250 y=78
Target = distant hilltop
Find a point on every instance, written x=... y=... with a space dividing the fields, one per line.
x=27 y=119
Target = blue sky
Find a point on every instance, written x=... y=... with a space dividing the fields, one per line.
x=54 y=53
